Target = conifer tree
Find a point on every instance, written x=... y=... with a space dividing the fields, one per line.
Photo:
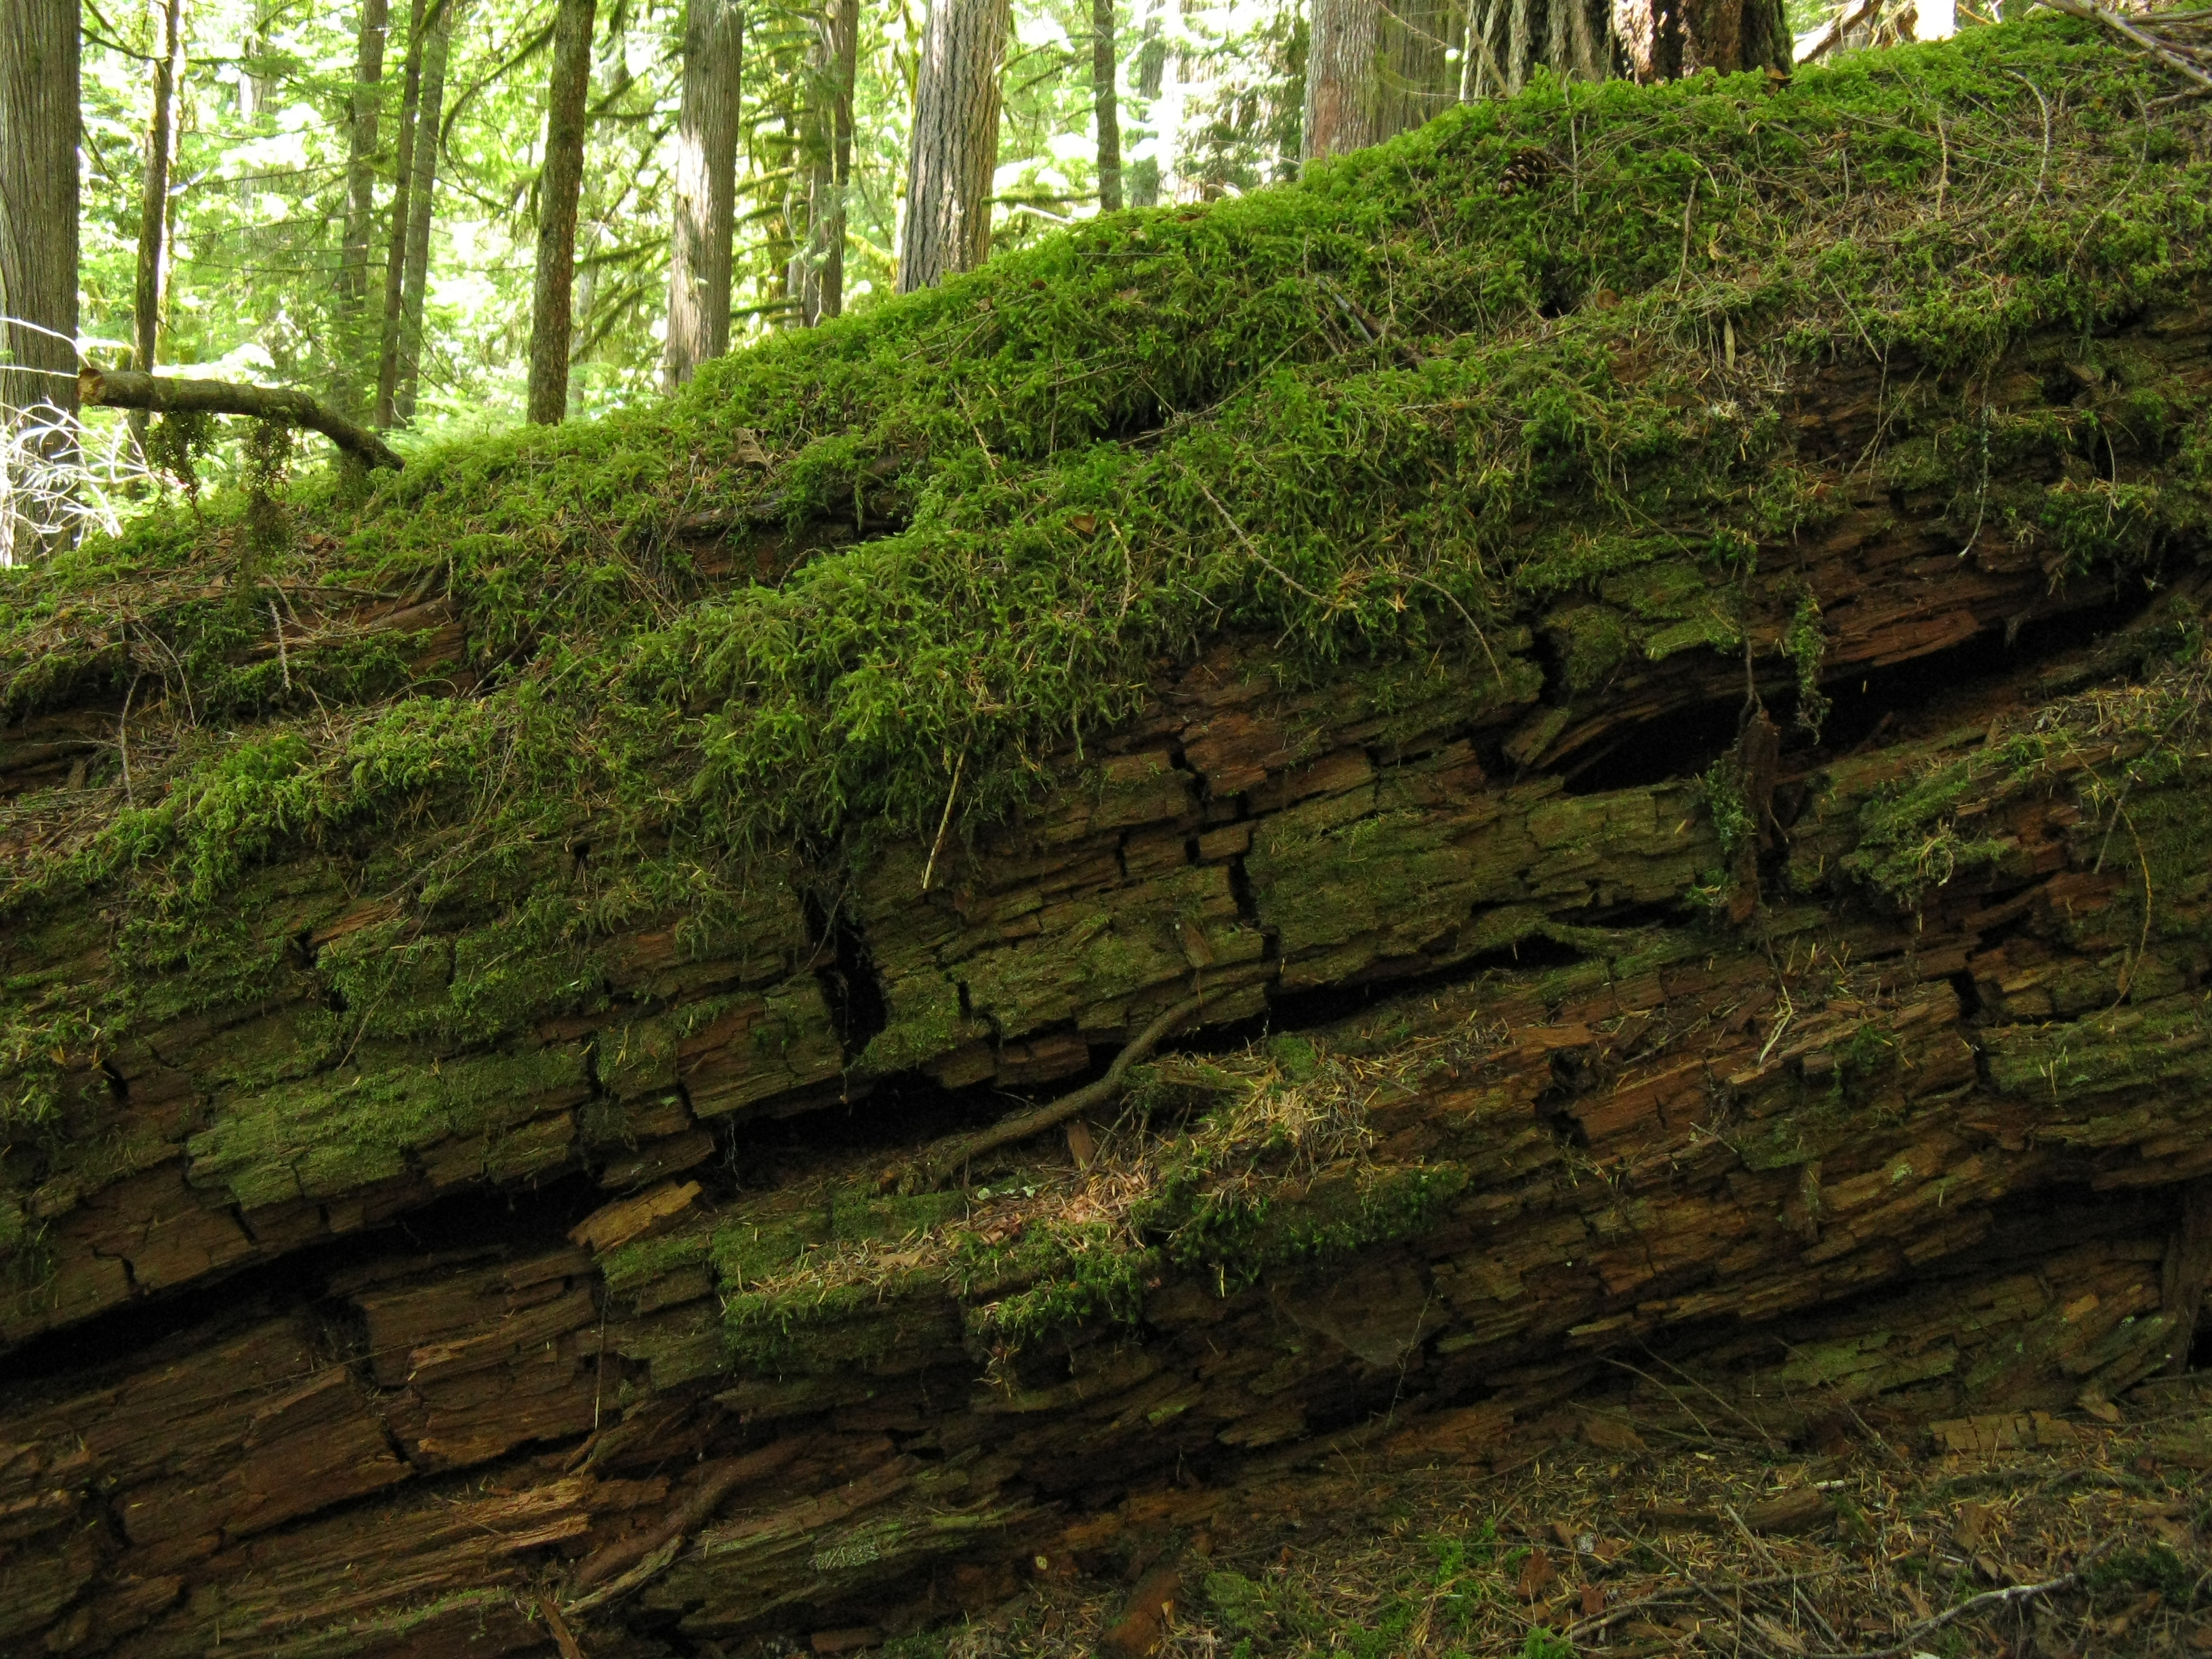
x=706 y=183
x=954 y=152
x=551 y=315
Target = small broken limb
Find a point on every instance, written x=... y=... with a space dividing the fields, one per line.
x=168 y=394
x=930 y=1171
x=1989 y=1601
x=2179 y=59
x=563 y=1638
x=617 y=1569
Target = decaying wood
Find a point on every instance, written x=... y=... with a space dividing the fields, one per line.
x=174 y=394
x=1932 y=1172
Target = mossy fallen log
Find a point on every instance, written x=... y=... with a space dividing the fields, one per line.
x=1678 y=807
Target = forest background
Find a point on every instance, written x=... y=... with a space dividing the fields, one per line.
x=243 y=165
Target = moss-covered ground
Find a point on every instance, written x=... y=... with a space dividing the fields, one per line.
x=1536 y=359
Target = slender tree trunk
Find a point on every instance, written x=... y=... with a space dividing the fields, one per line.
x=152 y=288
x=1105 y=104
x=353 y=345
x=1149 y=79
x=586 y=295
x=559 y=184
x=834 y=58
x=955 y=150
x=421 y=188
x=253 y=83
x=154 y=199
x=706 y=188
x=395 y=259
x=37 y=231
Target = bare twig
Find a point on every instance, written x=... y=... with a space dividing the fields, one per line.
x=1988 y=1602
x=621 y=1568
x=944 y=825
x=563 y=1638
x=2096 y=12
x=934 y=1169
x=123 y=743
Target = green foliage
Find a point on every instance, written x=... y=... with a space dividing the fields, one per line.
x=1729 y=808
x=2153 y=1567
x=1805 y=645
x=177 y=441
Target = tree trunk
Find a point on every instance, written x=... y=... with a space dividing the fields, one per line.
x=559 y=184
x=1105 y=103
x=1148 y=81
x=37 y=248
x=153 y=284
x=706 y=188
x=1375 y=70
x=826 y=151
x=1664 y=39
x=955 y=148
x=354 y=348
x=421 y=191
x=395 y=259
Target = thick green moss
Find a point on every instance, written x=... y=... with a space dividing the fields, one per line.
x=349 y=1129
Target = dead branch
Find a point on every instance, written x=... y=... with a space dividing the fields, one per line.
x=2174 y=59
x=167 y=394
x=934 y=1169
x=638 y=1560
x=563 y=1638
x=1988 y=1602
x=1845 y=18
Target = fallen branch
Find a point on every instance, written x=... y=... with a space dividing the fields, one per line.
x=621 y=1568
x=563 y=1637
x=2094 y=11
x=1988 y=1602
x=1846 y=17
x=167 y=394
x=932 y=1170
